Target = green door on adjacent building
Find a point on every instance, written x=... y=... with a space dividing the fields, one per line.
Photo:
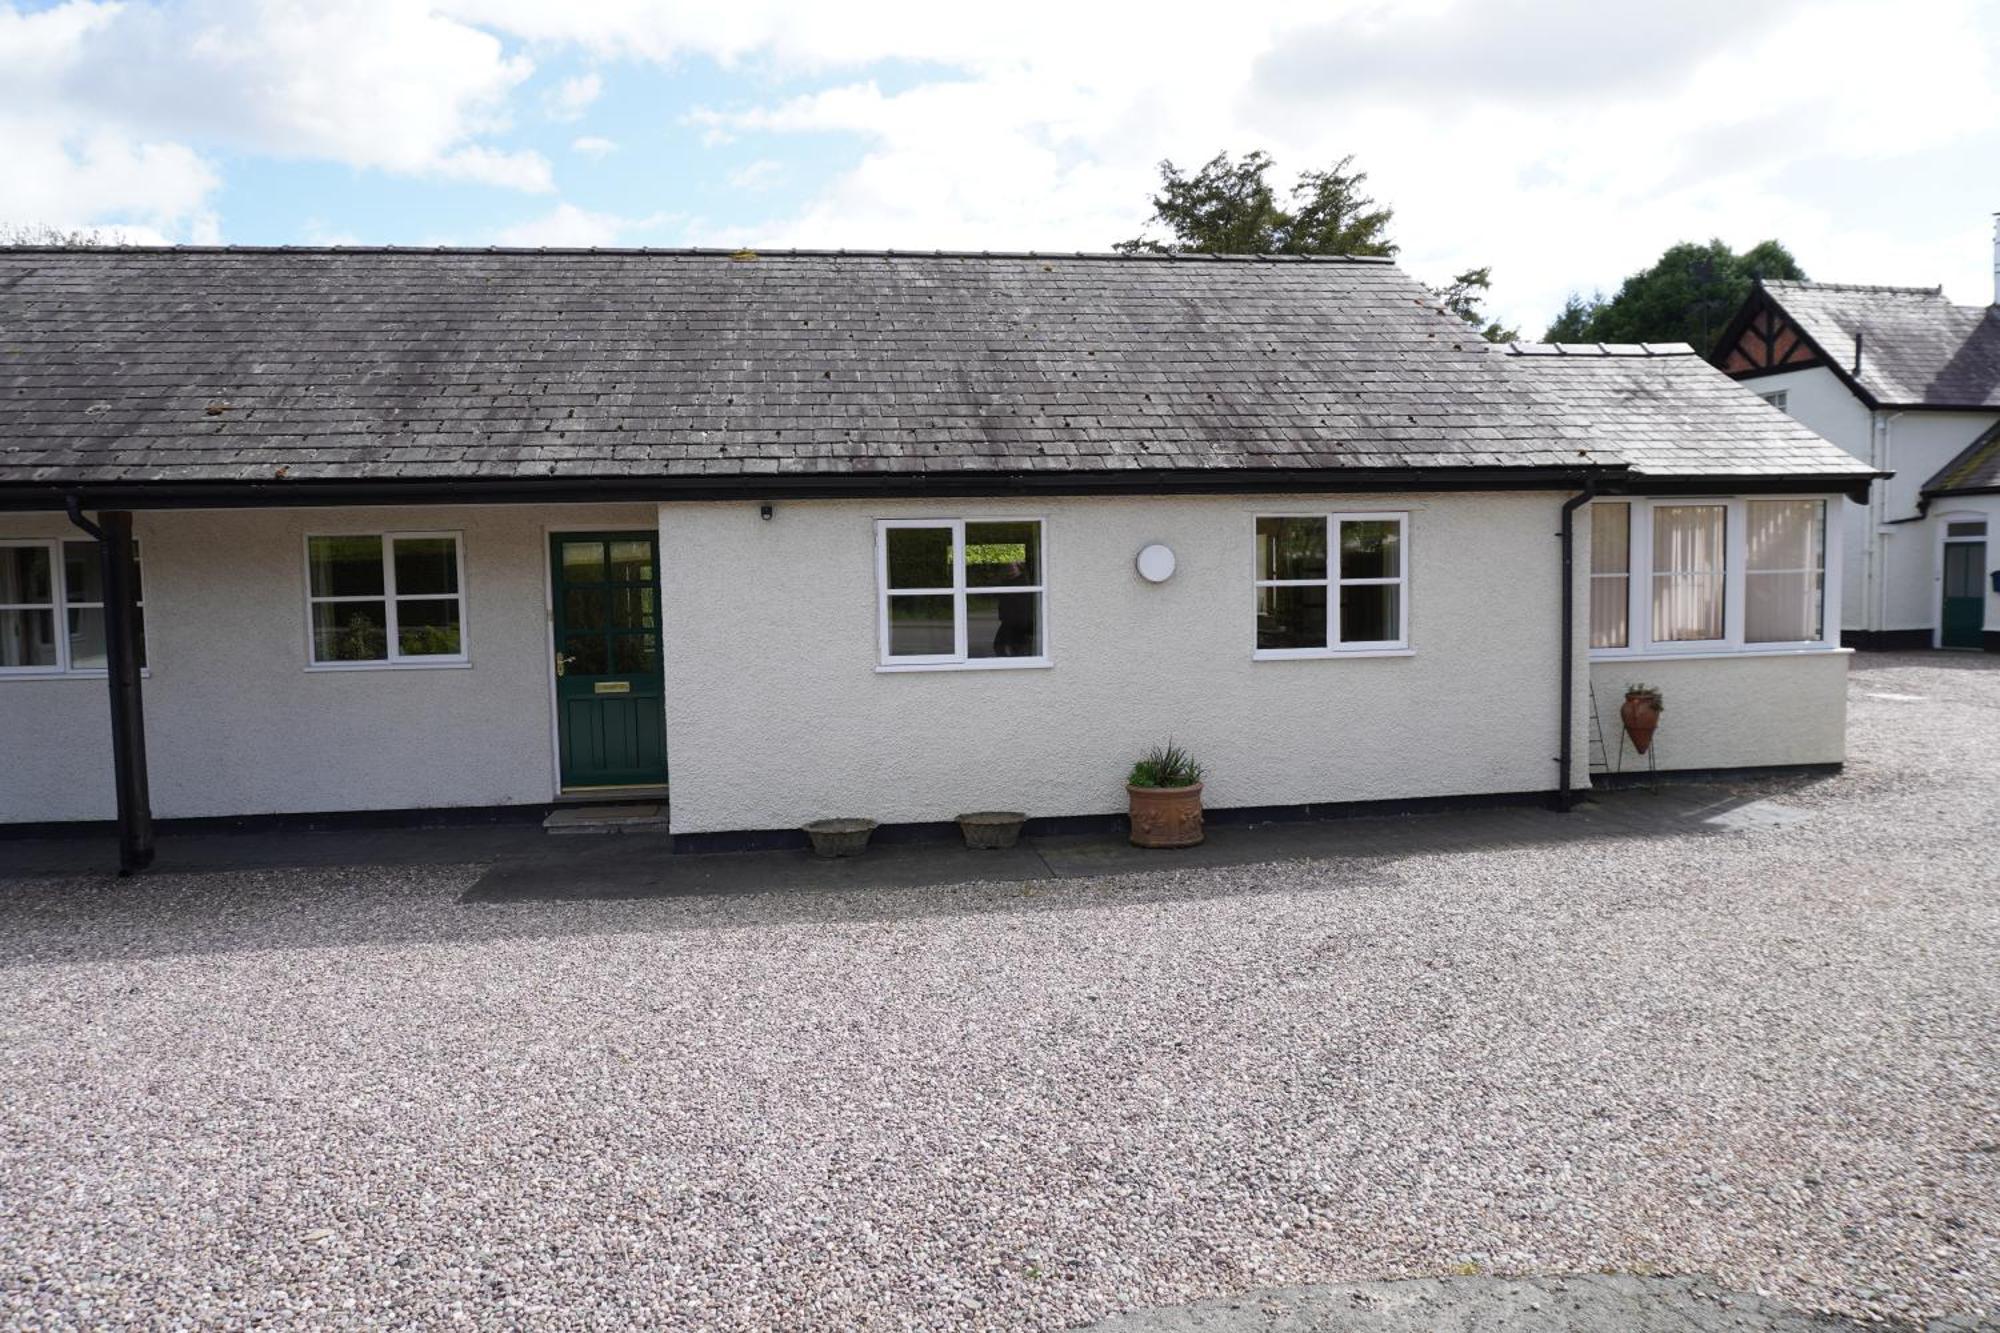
x=610 y=702
x=1963 y=617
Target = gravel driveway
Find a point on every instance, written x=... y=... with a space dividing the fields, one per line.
x=339 y=1098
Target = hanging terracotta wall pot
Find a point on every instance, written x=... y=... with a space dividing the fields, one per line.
x=1641 y=716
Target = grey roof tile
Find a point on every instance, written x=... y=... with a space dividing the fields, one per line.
x=1917 y=348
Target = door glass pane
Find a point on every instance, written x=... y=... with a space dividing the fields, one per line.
x=583 y=562
x=632 y=654
x=1003 y=624
x=921 y=626
x=427 y=628
x=27 y=638
x=632 y=561
x=919 y=558
x=1003 y=555
x=1961 y=568
x=1967 y=528
x=426 y=565
x=346 y=566
x=1610 y=538
x=1291 y=617
x=1369 y=612
x=24 y=574
x=350 y=632
x=1291 y=548
x=586 y=654
x=86 y=638
x=585 y=608
x=83 y=571
x=632 y=608
x=1371 y=549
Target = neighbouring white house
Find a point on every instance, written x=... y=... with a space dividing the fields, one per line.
x=792 y=535
x=1905 y=380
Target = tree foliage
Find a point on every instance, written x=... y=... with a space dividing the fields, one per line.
x=1462 y=297
x=1230 y=207
x=42 y=234
x=1687 y=296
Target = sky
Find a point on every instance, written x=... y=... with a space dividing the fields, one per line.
x=1563 y=143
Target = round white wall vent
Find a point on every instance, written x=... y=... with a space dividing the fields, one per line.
x=1156 y=563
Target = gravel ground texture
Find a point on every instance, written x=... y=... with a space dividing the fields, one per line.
x=338 y=1098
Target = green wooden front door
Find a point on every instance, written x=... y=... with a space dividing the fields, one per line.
x=1963 y=615
x=610 y=702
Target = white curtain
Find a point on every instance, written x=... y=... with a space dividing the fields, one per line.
x=1688 y=572
x=1785 y=574
x=1610 y=575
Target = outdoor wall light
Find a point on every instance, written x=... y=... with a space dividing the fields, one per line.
x=1156 y=563
x=764 y=512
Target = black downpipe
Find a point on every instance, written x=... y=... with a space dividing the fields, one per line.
x=1565 y=799
x=128 y=715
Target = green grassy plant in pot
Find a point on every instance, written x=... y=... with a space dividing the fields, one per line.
x=1165 y=792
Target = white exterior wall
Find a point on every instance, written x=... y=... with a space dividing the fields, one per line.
x=236 y=724
x=776 y=713
x=1820 y=402
x=1745 y=711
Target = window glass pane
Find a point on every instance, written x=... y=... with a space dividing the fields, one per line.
x=24 y=575
x=632 y=654
x=1781 y=608
x=346 y=567
x=921 y=627
x=350 y=632
x=1610 y=610
x=586 y=655
x=1003 y=624
x=1003 y=555
x=585 y=608
x=83 y=572
x=1291 y=617
x=1371 y=549
x=632 y=608
x=583 y=562
x=632 y=562
x=1369 y=612
x=86 y=638
x=426 y=565
x=1785 y=534
x=919 y=558
x=428 y=628
x=1688 y=572
x=1291 y=548
x=1968 y=528
x=1610 y=538
x=27 y=638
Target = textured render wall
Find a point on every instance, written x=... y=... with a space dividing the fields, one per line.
x=1735 y=712
x=235 y=724
x=776 y=715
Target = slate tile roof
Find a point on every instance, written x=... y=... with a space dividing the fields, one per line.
x=1917 y=348
x=1976 y=468
x=208 y=365
x=1668 y=413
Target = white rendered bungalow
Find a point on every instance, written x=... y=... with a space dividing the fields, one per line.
x=809 y=534
x=1905 y=380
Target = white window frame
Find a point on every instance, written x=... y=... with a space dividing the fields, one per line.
x=62 y=606
x=959 y=659
x=1333 y=582
x=1778 y=398
x=1640 y=644
x=396 y=660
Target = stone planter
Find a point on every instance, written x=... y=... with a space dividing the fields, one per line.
x=991 y=830
x=839 y=837
x=1641 y=716
x=1165 y=816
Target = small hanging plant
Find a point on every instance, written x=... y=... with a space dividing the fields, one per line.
x=1641 y=714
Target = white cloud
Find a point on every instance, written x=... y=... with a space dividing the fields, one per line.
x=759 y=175
x=568 y=225
x=572 y=97
x=590 y=145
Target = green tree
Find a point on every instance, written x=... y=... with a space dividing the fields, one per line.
x=41 y=234
x=1462 y=297
x=1229 y=207
x=1687 y=296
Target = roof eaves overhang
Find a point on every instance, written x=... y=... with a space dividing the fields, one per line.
x=102 y=495
x=1854 y=485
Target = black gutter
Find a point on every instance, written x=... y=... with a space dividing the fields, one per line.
x=1565 y=798
x=128 y=714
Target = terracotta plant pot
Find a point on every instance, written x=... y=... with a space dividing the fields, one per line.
x=839 y=837
x=1165 y=816
x=1641 y=716
x=991 y=830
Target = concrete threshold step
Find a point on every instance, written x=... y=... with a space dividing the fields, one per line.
x=607 y=819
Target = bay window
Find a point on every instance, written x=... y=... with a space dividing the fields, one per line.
x=961 y=592
x=1711 y=575
x=385 y=599
x=1331 y=583
x=52 y=608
